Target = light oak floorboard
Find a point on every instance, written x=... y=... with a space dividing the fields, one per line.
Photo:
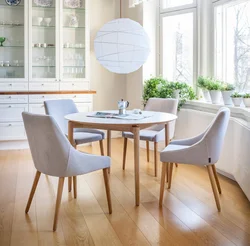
x=188 y=217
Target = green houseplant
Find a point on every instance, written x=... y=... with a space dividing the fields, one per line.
x=214 y=88
x=237 y=99
x=246 y=99
x=152 y=88
x=202 y=84
x=158 y=87
x=226 y=91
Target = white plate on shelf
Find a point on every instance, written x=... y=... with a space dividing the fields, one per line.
x=43 y=3
x=73 y=4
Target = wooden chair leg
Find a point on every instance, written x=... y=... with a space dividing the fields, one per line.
x=163 y=177
x=124 y=153
x=211 y=177
x=170 y=172
x=147 y=145
x=155 y=157
x=58 y=201
x=167 y=171
x=101 y=147
x=176 y=164
x=75 y=186
x=107 y=187
x=70 y=184
x=32 y=192
x=216 y=178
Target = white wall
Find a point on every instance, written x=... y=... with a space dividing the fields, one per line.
x=110 y=87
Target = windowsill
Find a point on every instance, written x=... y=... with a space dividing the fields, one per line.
x=242 y=114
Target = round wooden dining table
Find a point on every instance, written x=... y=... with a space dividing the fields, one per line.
x=86 y=120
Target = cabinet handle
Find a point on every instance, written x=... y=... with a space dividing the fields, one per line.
x=10 y=84
x=42 y=84
x=73 y=84
x=10 y=124
x=10 y=106
x=9 y=97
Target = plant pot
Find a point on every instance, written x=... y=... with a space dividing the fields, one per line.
x=215 y=96
x=226 y=95
x=237 y=101
x=206 y=95
x=176 y=94
x=246 y=101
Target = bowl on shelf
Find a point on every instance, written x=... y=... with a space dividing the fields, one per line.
x=2 y=39
x=47 y=21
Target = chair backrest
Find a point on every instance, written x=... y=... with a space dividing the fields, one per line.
x=49 y=146
x=215 y=134
x=58 y=109
x=165 y=105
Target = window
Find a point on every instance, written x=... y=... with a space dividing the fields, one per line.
x=232 y=43
x=178 y=41
x=175 y=3
x=177 y=50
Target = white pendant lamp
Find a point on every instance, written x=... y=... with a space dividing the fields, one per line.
x=122 y=46
x=133 y=3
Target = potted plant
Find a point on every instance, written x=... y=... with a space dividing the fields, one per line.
x=202 y=83
x=214 y=87
x=152 y=88
x=160 y=88
x=237 y=99
x=246 y=99
x=176 y=89
x=226 y=91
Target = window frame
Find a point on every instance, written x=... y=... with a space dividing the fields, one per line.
x=171 y=12
x=177 y=8
x=215 y=4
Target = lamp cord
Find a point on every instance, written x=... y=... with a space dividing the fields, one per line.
x=120 y=8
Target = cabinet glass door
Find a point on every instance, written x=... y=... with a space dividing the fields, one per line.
x=73 y=40
x=43 y=39
x=12 y=40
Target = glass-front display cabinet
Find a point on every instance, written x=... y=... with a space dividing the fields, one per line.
x=73 y=37
x=13 y=26
x=43 y=40
x=43 y=26
x=58 y=40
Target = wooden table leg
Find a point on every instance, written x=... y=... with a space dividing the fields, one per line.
x=109 y=145
x=136 y=132
x=71 y=140
x=167 y=140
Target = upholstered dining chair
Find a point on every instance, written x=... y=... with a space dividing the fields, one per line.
x=53 y=155
x=155 y=133
x=61 y=107
x=202 y=150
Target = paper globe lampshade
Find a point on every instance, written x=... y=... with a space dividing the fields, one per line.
x=122 y=46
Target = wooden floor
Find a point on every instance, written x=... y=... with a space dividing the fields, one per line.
x=188 y=217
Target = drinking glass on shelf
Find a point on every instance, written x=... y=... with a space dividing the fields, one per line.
x=16 y=63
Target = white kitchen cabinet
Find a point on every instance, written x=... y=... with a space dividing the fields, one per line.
x=10 y=99
x=13 y=86
x=37 y=108
x=12 y=131
x=43 y=87
x=12 y=112
x=45 y=44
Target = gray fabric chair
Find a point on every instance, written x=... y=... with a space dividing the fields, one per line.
x=155 y=133
x=202 y=150
x=61 y=107
x=53 y=155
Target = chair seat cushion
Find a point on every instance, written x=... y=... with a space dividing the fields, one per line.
x=146 y=135
x=86 y=137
